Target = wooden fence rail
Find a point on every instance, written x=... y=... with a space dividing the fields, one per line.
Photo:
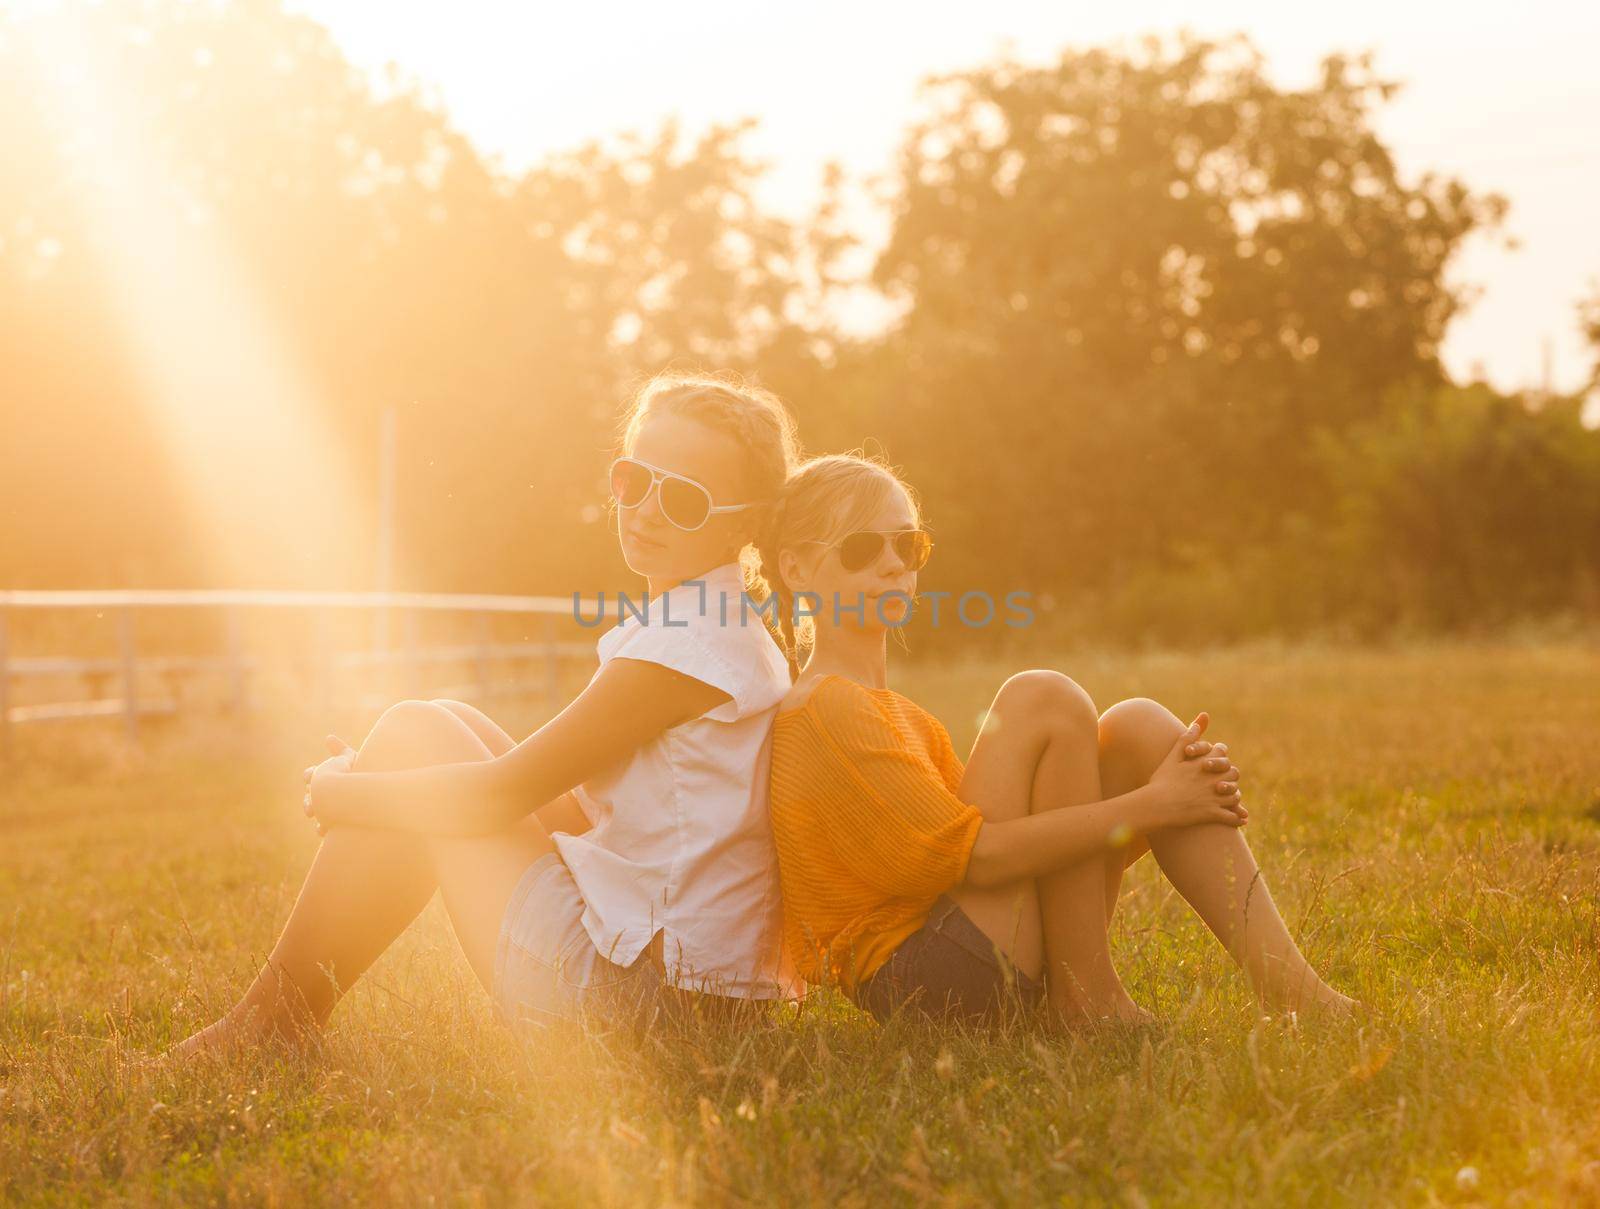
x=128 y=668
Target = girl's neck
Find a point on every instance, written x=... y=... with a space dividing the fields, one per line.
x=660 y=585
x=859 y=655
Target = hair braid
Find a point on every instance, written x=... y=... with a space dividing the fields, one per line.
x=767 y=549
x=825 y=498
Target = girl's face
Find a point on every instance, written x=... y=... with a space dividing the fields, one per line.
x=883 y=588
x=651 y=544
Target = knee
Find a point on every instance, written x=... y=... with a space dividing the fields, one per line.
x=1138 y=725
x=413 y=733
x=405 y=720
x=1052 y=699
x=414 y=712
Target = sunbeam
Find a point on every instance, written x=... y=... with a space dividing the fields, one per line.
x=266 y=482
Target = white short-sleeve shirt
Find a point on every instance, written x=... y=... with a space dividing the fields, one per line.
x=681 y=842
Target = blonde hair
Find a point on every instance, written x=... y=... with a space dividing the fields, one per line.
x=825 y=498
x=754 y=417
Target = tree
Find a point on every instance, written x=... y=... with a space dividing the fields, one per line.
x=1135 y=282
x=504 y=318
x=1589 y=324
x=1464 y=508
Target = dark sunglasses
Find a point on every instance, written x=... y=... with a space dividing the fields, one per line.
x=684 y=502
x=861 y=549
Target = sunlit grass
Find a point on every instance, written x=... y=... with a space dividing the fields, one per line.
x=1427 y=818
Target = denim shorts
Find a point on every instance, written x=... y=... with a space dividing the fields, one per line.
x=547 y=968
x=948 y=969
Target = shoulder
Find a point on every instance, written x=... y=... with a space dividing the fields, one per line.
x=847 y=711
x=698 y=634
x=800 y=692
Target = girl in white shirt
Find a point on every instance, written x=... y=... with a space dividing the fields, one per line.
x=623 y=847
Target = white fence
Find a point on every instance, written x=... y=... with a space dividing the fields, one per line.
x=133 y=673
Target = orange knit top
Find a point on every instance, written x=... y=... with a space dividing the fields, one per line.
x=869 y=828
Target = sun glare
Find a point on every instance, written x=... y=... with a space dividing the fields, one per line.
x=265 y=481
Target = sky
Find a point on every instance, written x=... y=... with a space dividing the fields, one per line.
x=1503 y=97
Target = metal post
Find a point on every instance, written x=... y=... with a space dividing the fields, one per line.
x=5 y=694
x=552 y=665
x=236 y=688
x=130 y=673
x=323 y=669
x=384 y=568
x=413 y=678
x=483 y=656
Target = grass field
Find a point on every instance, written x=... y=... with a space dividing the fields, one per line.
x=1428 y=819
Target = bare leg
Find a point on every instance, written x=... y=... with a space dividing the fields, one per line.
x=1211 y=865
x=494 y=736
x=563 y=813
x=365 y=886
x=1038 y=751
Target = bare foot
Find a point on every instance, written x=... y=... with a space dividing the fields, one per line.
x=222 y=1038
x=1336 y=1006
x=1302 y=992
x=1130 y=1012
x=1122 y=1011
x=220 y=1041
x=1324 y=1004
x=236 y=1034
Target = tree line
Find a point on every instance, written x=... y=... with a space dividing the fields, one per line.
x=1165 y=351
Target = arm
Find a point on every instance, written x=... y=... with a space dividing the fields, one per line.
x=563 y=814
x=627 y=705
x=1045 y=843
x=1182 y=792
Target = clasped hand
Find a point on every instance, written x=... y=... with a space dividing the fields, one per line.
x=318 y=777
x=1198 y=783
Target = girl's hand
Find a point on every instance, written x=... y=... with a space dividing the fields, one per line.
x=1198 y=788
x=1212 y=756
x=317 y=776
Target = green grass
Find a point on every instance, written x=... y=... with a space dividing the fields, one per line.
x=1427 y=819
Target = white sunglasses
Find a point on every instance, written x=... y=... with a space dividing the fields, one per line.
x=684 y=502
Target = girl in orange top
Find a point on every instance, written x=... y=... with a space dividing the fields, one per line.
x=908 y=876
